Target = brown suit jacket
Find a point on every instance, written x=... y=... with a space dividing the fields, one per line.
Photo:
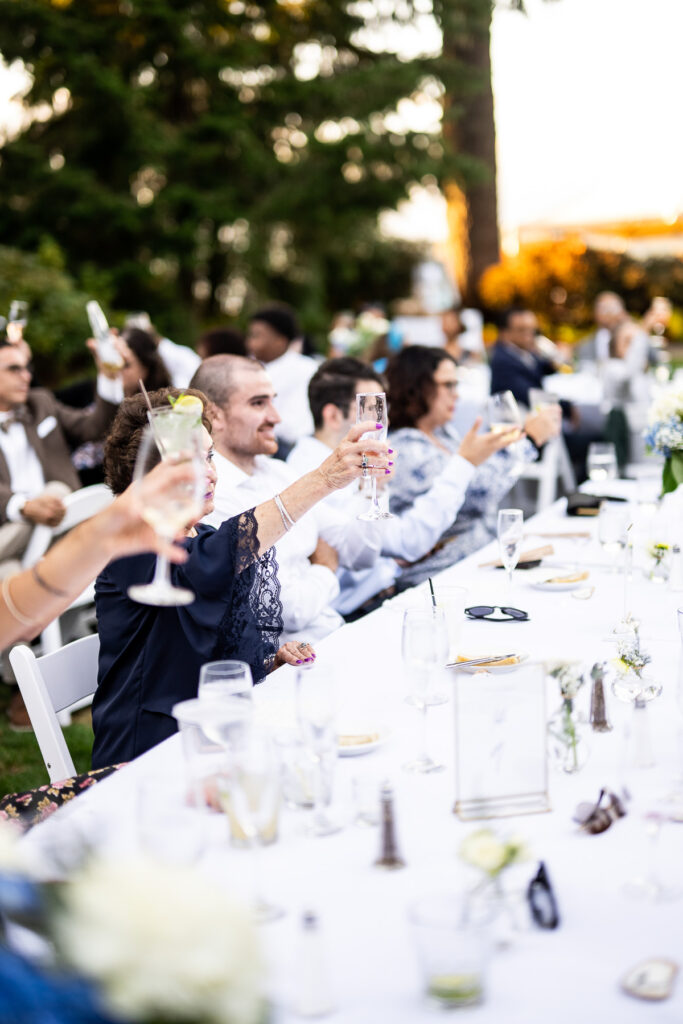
x=70 y=428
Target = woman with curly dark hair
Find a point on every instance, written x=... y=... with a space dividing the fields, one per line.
x=142 y=362
x=422 y=394
x=150 y=657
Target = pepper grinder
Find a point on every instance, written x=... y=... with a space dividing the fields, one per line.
x=599 y=721
x=389 y=856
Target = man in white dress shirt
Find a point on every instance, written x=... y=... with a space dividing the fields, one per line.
x=332 y=394
x=244 y=419
x=271 y=338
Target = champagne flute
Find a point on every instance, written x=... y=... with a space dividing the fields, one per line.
x=373 y=406
x=510 y=535
x=316 y=701
x=249 y=792
x=504 y=416
x=17 y=320
x=169 y=511
x=425 y=650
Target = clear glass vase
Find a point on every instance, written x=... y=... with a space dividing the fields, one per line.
x=502 y=911
x=567 y=738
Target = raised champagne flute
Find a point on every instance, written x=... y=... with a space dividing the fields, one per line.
x=170 y=510
x=505 y=417
x=107 y=352
x=17 y=319
x=373 y=406
x=510 y=535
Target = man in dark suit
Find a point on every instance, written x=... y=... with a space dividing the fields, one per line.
x=516 y=364
x=36 y=432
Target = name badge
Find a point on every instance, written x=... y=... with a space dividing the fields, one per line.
x=46 y=427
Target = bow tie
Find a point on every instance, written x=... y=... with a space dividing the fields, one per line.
x=17 y=415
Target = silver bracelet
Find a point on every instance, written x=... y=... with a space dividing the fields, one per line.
x=287 y=520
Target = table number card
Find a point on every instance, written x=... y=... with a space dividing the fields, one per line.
x=500 y=744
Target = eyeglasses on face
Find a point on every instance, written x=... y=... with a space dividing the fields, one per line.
x=17 y=368
x=486 y=611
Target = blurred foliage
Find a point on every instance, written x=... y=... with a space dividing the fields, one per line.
x=193 y=159
x=559 y=280
x=57 y=324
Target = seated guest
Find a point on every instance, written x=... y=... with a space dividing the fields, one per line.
x=518 y=365
x=422 y=398
x=244 y=419
x=609 y=312
x=221 y=341
x=332 y=397
x=37 y=434
x=142 y=362
x=150 y=657
x=272 y=337
x=180 y=360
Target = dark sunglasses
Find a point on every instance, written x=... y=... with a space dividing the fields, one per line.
x=596 y=818
x=486 y=611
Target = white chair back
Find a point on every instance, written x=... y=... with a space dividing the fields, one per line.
x=553 y=465
x=80 y=505
x=49 y=685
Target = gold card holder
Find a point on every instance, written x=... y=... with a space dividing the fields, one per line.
x=501 y=765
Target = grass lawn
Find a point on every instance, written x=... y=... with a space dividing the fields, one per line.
x=21 y=765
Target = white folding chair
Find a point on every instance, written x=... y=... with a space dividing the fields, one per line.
x=80 y=505
x=553 y=465
x=49 y=685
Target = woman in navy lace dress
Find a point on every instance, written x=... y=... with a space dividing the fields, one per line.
x=150 y=657
x=422 y=389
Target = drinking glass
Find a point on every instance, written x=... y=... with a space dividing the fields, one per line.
x=17 y=320
x=170 y=828
x=218 y=679
x=504 y=416
x=169 y=510
x=107 y=352
x=451 y=600
x=208 y=728
x=425 y=651
x=317 y=709
x=612 y=530
x=540 y=399
x=451 y=949
x=249 y=792
x=373 y=406
x=601 y=462
x=510 y=536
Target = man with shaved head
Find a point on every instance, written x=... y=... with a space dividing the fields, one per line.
x=241 y=406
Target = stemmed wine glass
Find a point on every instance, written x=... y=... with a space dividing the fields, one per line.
x=169 y=510
x=373 y=406
x=225 y=679
x=504 y=416
x=17 y=320
x=250 y=795
x=510 y=535
x=317 y=711
x=425 y=650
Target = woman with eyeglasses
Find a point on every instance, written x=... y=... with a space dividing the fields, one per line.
x=422 y=394
x=150 y=656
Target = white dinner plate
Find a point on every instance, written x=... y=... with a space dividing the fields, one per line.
x=541 y=578
x=496 y=669
x=365 y=741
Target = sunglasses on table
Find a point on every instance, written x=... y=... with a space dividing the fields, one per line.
x=487 y=611
x=597 y=818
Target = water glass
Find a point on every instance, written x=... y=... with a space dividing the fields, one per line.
x=208 y=729
x=451 y=600
x=451 y=949
x=219 y=679
x=510 y=536
x=317 y=706
x=601 y=462
x=425 y=652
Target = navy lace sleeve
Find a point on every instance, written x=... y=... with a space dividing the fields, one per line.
x=252 y=622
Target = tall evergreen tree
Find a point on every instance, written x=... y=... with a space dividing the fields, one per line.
x=205 y=153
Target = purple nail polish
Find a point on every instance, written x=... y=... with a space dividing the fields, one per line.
x=299 y=661
x=387 y=471
x=309 y=659
x=379 y=426
x=391 y=451
x=391 y=463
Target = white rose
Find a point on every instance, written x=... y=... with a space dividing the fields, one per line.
x=484 y=850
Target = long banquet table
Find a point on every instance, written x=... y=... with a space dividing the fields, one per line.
x=562 y=976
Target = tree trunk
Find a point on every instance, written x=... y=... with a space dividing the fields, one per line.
x=469 y=127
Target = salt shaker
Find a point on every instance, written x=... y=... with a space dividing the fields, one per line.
x=599 y=721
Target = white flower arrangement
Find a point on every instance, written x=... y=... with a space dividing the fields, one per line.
x=568 y=675
x=12 y=858
x=484 y=850
x=161 y=943
x=630 y=657
x=664 y=431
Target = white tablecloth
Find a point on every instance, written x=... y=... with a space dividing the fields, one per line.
x=565 y=976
